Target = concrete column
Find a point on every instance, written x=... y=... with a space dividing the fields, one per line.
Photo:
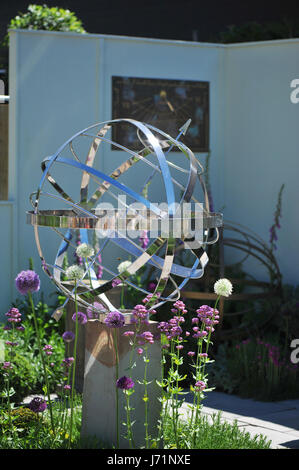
x=114 y=297
x=99 y=398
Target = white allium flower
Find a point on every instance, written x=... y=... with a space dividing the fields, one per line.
x=122 y=267
x=223 y=287
x=84 y=250
x=74 y=273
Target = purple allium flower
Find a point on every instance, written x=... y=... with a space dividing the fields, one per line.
x=125 y=383
x=82 y=318
x=27 y=281
x=68 y=336
x=115 y=319
x=38 y=405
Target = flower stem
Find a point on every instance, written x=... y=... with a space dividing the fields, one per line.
x=146 y=399
x=122 y=306
x=116 y=389
x=43 y=360
x=74 y=366
x=129 y=425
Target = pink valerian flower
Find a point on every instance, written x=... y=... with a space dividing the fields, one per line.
x=172 y=328
x=10 y=343
x=199 y=386
x=139 y=351
x=180 y=346
x=67 y=361
x=210 y=328
x=48 y=349
x=128 y=333
x=179 y=307
x=191 y=353
x=204 y=355
x=67 y=387
x=144 y=240
x=200 y=334
x=13 y=315
x=208 y=316
x=151 y=298
x=7 y=365
x=151 y=286
x=146 y=337
x=116 y=282
x=139 y=314
x=99 y=267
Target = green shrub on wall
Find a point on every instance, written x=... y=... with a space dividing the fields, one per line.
x=43 y=17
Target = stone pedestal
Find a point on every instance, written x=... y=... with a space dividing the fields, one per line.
x=114 y=297
x=99 y=397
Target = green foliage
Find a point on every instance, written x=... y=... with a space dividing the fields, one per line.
x=38 y=433
x=219 y=376
x=22 y=419
x=27 y=373
x=262 y=371
x=42 y=17
x=253 y=31
x=216 y=435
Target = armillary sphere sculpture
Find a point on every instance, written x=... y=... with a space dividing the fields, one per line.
x=86 y=213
